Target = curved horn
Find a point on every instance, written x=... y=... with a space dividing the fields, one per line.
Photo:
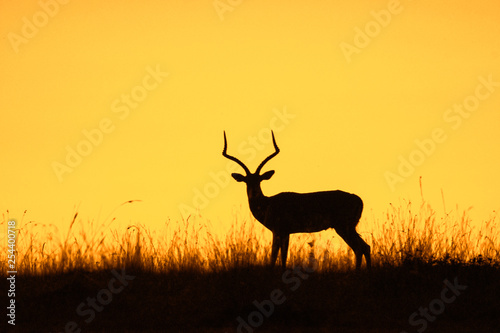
x=232 y=158
x=277 y=150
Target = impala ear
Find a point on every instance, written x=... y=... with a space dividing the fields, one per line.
x=267 y=175
x=238 y=177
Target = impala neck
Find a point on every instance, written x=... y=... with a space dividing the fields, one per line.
x=257 y=201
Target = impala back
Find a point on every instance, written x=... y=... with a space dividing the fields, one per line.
x=291 y=212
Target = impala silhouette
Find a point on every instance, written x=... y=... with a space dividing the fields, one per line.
x=288 y=212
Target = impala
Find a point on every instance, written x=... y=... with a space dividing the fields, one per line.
x=288 y=212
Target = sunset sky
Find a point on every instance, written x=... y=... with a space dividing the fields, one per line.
x=104 y=102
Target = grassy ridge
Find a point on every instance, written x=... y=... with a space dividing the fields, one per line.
x=184 y=301
x=185 y=277
x=403 y=234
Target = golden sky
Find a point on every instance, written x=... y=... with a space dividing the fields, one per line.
x=104 y=102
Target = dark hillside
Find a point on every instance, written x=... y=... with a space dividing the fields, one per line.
x=434 y=298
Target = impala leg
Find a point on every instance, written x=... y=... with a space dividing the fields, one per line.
x=275 y=249
x=285 y=239
x=358 y=245
x=366 y=252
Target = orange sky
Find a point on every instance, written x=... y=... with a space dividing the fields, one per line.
x=107 y=102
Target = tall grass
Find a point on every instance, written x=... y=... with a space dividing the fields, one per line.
x=418 y=235
x=405 y=234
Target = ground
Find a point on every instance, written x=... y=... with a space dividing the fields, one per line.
x=409 y=298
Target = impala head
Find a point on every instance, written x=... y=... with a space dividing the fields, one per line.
x=251 y=179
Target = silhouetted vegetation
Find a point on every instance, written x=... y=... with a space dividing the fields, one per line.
x=185 y=278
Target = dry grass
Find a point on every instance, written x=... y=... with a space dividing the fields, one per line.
x=403 y=235
x=186 y=278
